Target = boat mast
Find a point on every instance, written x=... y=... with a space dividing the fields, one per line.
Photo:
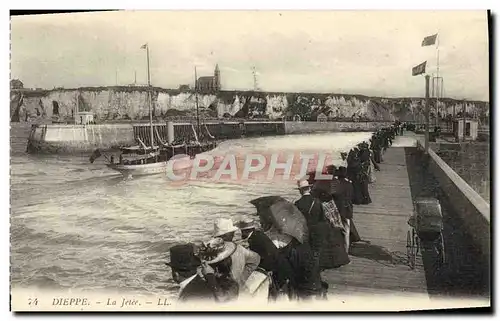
x=197 y=108
x=149 y=99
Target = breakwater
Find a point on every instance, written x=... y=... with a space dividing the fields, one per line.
x=59 y=138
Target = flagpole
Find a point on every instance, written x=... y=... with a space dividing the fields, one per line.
x=438 y=82
x=427 y=120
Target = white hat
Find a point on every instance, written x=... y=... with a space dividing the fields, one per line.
x=303 y=183
x=223 y=226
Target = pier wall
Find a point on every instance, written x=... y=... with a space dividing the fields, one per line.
x=60 y=139
x=218 y=130
x=470 y=160
x=317 y=127
x=471 y=208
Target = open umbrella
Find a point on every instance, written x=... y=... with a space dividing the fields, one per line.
x=283 y=215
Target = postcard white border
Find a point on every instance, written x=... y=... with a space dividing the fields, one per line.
x=186 y=4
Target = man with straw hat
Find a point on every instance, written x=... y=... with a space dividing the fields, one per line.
x=224 y=229
x=271 y=259
x=260 y=243
x=244 y=261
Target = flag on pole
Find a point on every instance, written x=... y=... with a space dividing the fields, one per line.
x=429 y=40
x=420 y=69
x=144 y=46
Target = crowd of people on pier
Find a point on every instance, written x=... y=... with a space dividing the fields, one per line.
x=267 y=258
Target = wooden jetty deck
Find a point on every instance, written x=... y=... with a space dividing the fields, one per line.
x=381 y=267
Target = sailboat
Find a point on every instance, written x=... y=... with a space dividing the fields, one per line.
x=144 y=160
x=201 y=142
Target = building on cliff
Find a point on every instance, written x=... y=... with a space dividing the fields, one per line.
x=209 y=83
x=84 y=118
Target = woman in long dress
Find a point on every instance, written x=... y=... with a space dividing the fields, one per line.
x=327 y=239
x=364 y=180
x=353 y=173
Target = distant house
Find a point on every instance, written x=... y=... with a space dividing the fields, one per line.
x=322 y=118
x=469 y=132
x=84 y=118
x=209 y=83
x=16 y=84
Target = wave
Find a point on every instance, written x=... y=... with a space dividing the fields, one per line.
x=32 y=174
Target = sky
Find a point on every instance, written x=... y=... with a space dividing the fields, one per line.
x=350 y=52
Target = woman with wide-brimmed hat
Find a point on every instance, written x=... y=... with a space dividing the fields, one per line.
x=244 y=261
x=216 y=259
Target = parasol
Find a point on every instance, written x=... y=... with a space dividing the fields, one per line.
x=283 y=215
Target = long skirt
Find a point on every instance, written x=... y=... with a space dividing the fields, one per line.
x=357 y=192
x=307 y=274
x=377 y=155
x=328 y=243
x=365 y=194
x=354 y=235
x=371 y=173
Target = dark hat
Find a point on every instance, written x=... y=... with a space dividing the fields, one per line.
x=246 y=224
x=330 y=169
x=342 y=172
x=182 y=257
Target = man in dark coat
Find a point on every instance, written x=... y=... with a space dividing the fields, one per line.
x=184 y=265
x=312 y=211
x=270 y=258
x=307 y=205
x=193 y=286
x=326 y=241
x=343 y=195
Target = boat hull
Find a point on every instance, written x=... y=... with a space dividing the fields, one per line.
x=152 y=169
x=140 y=170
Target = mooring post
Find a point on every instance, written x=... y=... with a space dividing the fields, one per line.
x=427 y=120
x=170 y=132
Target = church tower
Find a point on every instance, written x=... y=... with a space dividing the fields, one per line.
x=217 y=78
